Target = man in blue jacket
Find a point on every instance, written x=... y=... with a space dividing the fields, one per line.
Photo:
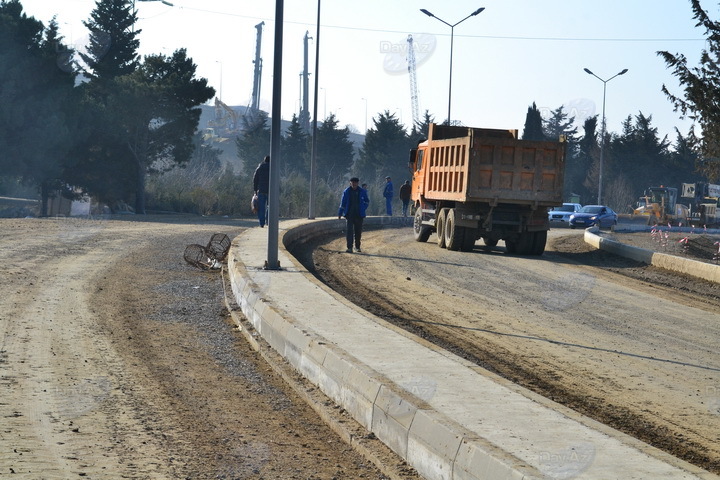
x=388 y=194
x=353 y=205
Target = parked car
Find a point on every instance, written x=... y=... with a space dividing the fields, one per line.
x=590 y=215
x=561 y=214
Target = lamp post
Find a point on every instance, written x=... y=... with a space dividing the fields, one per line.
x=452 y=37
x=221 y=79
x=365 y=100
x=313 y=145
x=602 y=134
x=161 y=1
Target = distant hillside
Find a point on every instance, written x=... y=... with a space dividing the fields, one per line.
x=227 y=143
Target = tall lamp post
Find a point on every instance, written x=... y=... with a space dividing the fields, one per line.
x=161 y=1
x=452 y=37
x=602 y=134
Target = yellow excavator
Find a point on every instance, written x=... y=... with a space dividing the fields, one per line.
x=660 y=206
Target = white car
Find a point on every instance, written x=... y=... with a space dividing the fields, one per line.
x=561 y=214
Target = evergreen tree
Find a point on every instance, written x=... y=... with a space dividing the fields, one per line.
x=579 y=174
x=559 y=124
x=701 y=95
x=35 y=77
x=421 y=130
x=335 y=152
x=640 y=156
x=684 y=158
x=114 y=43
x=254 y=143
x=384 y=151
x=295 y=148
x=146 y=113
x=533 y=124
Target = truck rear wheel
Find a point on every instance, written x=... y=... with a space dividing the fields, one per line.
x=525 y=243
x=440 y=227
x=468 y=239
x=421 y=232
x=454 y=235
x=539 y=241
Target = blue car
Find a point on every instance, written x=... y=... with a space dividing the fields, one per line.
x=591 y=215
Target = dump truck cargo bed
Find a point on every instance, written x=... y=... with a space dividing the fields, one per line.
x=492 y=169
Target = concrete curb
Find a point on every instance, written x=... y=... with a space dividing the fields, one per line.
x=520 y=435
x=705 y=271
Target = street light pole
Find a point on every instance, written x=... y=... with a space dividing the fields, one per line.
x=161 y=1
x=313 y=145
x=602 y=134
x=365 y=99
x=452 y=41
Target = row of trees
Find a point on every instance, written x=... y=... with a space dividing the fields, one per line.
x=634 y=159
x=101 y=125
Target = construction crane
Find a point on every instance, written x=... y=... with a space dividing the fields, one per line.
x=258 y=69
x=413 y=81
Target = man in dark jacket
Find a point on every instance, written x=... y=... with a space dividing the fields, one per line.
x=261 y=186
x=405 y=196
x=353 y=205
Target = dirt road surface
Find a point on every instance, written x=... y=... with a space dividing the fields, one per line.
x=631 y=346
x=118 y=360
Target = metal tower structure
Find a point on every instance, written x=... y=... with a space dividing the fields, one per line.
x=413 y=81
x=304 y=109
x=258 y=69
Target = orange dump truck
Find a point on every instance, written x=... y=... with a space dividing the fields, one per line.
x=472 y=183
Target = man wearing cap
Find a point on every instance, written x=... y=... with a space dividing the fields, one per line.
x=388 y=194
x=353 y=205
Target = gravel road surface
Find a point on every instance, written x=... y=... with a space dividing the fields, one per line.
x=632 y=346
x=119 y=360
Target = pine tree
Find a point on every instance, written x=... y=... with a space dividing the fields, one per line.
x=295 y=148
x=560 y=124
x=254 y=143
x=113 y=40
x=35 y=76
x=701 y=91
x=385 y=150
x=335 y=151
x=533 y=124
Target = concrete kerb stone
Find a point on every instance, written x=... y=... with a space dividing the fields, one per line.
x=431 y=460
x=705 y=271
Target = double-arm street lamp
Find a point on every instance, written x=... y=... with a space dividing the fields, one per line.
x=452 y=36
x=161 y=1
x=602 y=134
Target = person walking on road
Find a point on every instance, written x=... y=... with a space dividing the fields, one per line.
x=261 y=186
x=353 y=205
x=405 y=197
x=388 y=194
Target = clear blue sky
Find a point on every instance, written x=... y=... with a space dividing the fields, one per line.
x=514 y=53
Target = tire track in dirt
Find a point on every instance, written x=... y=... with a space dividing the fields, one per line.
x=650 y=375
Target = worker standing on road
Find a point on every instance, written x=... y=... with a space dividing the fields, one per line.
x=388 y=194
x=405 y=197
x=261 y=186
x=353 y=205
